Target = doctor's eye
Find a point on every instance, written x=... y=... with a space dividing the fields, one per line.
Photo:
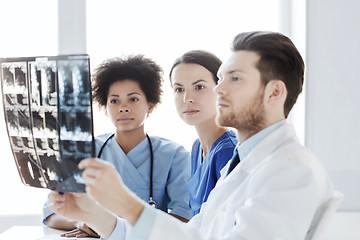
x=113 y=101
x=178 y=90
x=199 y=87
x=134 y=99
x=235 y=78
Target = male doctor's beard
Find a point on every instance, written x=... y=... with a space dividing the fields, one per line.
x=248 y=121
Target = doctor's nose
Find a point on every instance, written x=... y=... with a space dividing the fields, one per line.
x=124 y=109
x=219 y=89
x=188 y=99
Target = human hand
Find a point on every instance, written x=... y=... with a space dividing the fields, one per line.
x=82 y=208
x=104 y=184
x=82 y=231
x=76 y=206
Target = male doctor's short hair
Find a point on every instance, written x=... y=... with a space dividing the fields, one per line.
x=279 y=59
x=144 y=71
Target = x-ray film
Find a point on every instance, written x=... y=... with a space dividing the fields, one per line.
x=48 y=113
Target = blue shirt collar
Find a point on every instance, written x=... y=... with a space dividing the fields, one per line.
x=245 y=147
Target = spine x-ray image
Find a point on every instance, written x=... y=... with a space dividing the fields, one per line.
x=48 y=114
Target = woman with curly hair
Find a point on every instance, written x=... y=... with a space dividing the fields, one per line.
x=154 y=168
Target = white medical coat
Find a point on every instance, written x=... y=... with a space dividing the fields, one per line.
x=276 y=192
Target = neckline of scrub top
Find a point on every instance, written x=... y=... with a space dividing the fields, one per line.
x=222 y=137
x=129 y=161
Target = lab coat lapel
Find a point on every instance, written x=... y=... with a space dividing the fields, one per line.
x=225 y=196
x=257 y=155
x=267 y=146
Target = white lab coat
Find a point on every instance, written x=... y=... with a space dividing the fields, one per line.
x=276 y=192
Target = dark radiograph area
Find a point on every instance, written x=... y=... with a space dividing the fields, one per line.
x=48 y=114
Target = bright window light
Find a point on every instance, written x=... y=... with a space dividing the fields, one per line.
x=28 y=28
x=162 y=30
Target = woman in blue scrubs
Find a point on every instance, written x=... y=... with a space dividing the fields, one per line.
x=156 y=169
x=193 y=77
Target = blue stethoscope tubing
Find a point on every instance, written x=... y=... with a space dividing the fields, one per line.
x=151 y=202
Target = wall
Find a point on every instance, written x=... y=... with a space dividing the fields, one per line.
x=332 y=93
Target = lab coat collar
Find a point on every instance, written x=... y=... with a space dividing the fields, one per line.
x=260 y=152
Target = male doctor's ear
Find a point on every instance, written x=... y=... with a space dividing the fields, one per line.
x=275 y=92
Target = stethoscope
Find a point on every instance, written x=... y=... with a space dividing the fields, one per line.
x=151 y=202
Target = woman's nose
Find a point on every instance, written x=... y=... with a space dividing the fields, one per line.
x=188 y=98
x=124 y=109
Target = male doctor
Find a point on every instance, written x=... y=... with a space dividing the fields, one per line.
x=273 y=188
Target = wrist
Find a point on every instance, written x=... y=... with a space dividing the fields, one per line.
x=131 y=209
x=74 y=224
x=58 y=221
x=103 y=222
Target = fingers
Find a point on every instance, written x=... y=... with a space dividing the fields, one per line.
x=57 y=200
x=95 y=170
x=83 y=235
x=55 y=196
x=93 y=163
x=78 y=233
x=86 y=229
x=90 y=174
x=85 y=163
x=71 y=233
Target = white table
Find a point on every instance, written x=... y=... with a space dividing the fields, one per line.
x=343 y=226
x=34 y=233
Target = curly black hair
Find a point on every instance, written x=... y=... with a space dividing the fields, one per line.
x=137 y=68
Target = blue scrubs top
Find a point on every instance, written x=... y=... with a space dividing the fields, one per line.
x=205 y=173
x=171 y=172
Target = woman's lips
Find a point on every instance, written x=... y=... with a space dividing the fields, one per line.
x=124 y=119
x=191 y=111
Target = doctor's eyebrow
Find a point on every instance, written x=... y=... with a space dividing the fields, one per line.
x=219 y=75
x=194 y=83
x=129 y=94
x=133 y=93
x=178 y=84
x=235 y=70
